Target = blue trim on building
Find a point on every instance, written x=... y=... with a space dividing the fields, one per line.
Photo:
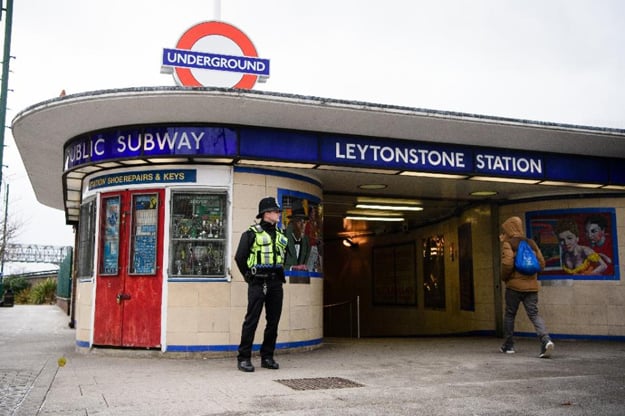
x=319 y=341
x=82 y=344
x=261 y=171
x=575 y=337
x=299 y=195
x=227 y=348
x=297 y=273
x=542 y=277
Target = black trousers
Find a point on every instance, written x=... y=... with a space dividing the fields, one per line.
x=256 y=299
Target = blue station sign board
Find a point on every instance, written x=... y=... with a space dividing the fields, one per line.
x=231 y=142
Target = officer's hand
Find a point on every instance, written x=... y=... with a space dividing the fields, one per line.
x=299 y=267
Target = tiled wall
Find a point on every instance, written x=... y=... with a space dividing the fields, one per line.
x=84 y=310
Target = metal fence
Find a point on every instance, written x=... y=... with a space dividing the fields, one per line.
x=64 y=277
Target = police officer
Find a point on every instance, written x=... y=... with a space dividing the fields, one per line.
x=260 y=259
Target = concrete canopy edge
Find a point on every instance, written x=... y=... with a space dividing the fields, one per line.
x=41 y=130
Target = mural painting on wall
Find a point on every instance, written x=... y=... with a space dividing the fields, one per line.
x=302 y=221
x=577 y=244
x=434 y=271
x=394 y=275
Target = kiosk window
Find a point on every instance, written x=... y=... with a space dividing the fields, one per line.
x=86 y=239
x=198 y=235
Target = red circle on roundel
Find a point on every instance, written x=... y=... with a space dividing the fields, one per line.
x=201 y=30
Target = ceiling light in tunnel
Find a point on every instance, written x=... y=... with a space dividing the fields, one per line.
x=390 y=207
x=433 y=175
x=615 y=187
x=508 y=180
x=276 y=164
x=387 y=201
x=577 y=185
x=368 y=218
x=483 y=193
x=373 y=186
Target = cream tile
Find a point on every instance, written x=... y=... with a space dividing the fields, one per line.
x=300 y=318
x=182 y=319
x=592 y=294
x=238 y=293
x=300 y=294
x=182 y=294
x=556 y=295
x=615 y=315
x=182 y=338
x=616 y=295
x=83 y=334
x=590 y=315
x=212 y=319
x=616 y=330
x=216 y=294
x=249 y=178
x=214 y=338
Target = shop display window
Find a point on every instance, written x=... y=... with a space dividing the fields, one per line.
x=198 y=234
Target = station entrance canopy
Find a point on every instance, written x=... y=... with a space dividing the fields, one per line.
x=109 y=129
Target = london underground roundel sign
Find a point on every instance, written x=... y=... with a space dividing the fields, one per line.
x=215 y=54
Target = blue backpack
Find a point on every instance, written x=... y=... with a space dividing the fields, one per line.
x=525 y=261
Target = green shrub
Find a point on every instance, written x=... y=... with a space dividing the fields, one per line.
x=16 y=283
x=43 y=292
x=22 y=297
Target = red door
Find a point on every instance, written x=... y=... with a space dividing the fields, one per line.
x=129 y=278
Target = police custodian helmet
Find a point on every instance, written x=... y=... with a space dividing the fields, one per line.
x=267 y=204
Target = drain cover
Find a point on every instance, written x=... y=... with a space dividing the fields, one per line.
x=319 y=383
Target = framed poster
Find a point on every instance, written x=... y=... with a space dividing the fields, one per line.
x=579 y=244
x=394 y=275
x=434 y=272
x=300 y=209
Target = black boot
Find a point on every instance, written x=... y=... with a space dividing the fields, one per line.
x=245 y=365
x=269 y=363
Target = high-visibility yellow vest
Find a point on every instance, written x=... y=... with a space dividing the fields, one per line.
x=264 y=254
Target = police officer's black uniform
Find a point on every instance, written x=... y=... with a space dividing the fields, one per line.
x=264 y=288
